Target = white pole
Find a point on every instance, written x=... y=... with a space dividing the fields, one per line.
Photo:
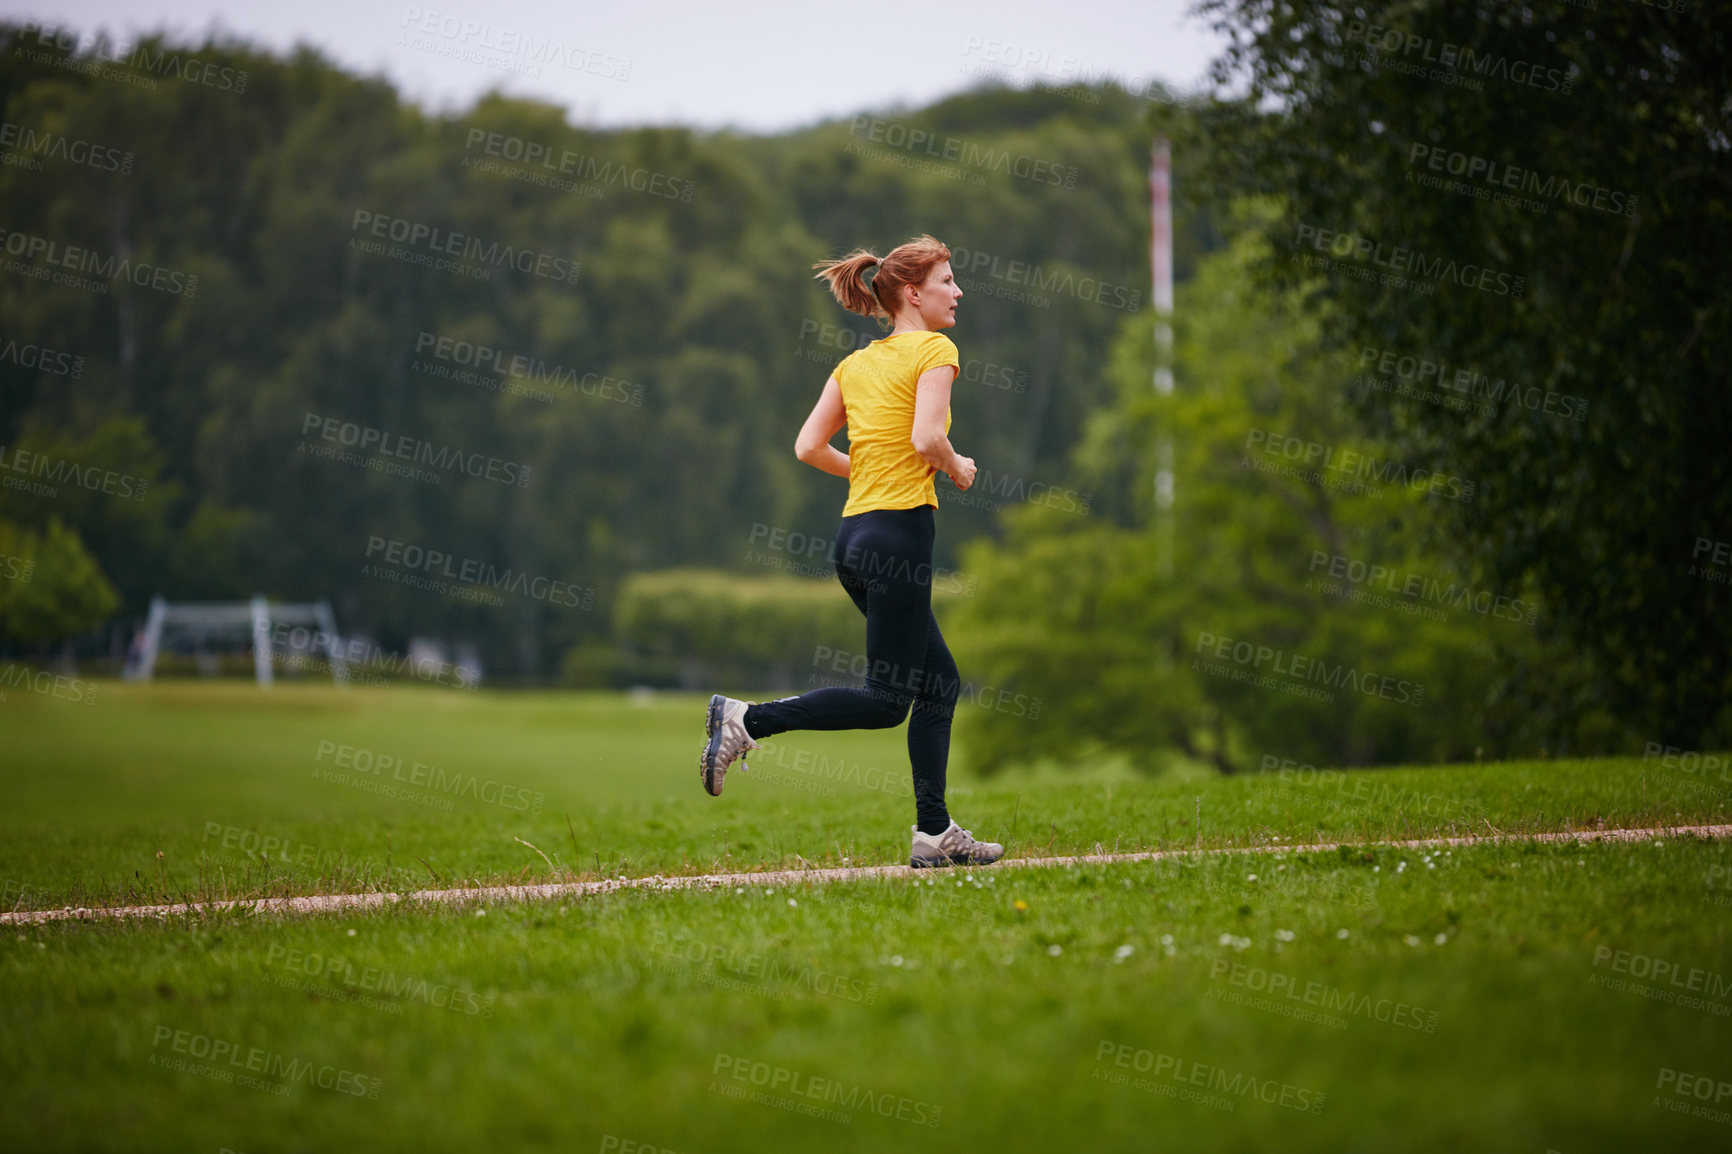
x=1161 y=273
x=262 y=640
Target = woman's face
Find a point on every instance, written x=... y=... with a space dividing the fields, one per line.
x=935 y=299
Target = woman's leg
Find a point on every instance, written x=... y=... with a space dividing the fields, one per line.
x=929 y=730
x=884 y=560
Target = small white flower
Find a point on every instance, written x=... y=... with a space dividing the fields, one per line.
x=1411 y=940
x=351 y=933
x=1440 y=939
x=1225 y=940
x=896 y=959
x=1341 y=934
x=1250 y=877
x=1123 y=952
x=1055 y=949
x=792 y=902
x=1376 y=869
x=1166 y=939
x=1284 y=935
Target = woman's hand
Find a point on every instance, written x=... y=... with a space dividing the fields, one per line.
x=963 y=477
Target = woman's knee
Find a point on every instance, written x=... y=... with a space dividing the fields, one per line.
x=890 y=708
x=942 y=683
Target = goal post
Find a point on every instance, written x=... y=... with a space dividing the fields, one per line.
x=257 y=622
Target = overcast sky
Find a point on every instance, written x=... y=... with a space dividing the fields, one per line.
x=762 y=65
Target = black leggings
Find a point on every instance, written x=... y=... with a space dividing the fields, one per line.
x=884 y=559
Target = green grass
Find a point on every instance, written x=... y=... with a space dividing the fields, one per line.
x=1002 y=998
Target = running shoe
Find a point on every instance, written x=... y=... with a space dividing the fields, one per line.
x=725 y=728
x=955 y=846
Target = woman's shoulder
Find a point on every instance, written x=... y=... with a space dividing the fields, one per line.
x=936 y=349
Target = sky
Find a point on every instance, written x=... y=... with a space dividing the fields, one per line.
x=759 y=66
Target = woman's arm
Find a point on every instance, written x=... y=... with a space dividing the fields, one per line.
x=931 y=406
x=827 y=418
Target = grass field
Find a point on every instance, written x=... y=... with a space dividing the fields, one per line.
x=1511 y=997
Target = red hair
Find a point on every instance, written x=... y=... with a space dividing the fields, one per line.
x=906 y=264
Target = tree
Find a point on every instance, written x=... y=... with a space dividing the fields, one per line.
x=1301 y=618
x=1532 y=197
x=50 y=586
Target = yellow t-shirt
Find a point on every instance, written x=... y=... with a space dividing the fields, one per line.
x=878 y=384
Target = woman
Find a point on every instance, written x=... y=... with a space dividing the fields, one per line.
x=894 y=396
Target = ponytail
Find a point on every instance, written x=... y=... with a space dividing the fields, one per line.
x=905 y=264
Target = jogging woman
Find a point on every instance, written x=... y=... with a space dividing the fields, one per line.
x=894 y=396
